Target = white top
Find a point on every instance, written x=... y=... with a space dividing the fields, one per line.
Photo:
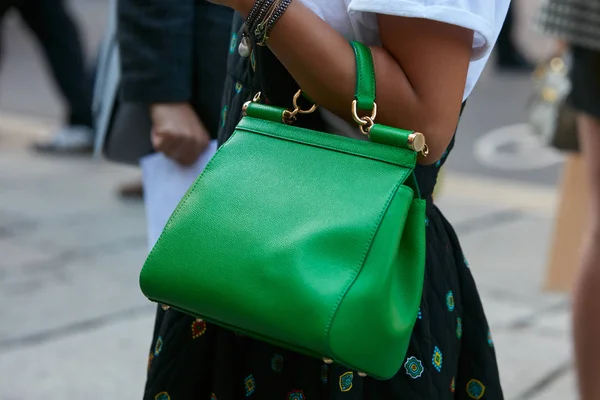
x=356 y=20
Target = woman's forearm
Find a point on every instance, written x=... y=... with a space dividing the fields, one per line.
x=323 y=63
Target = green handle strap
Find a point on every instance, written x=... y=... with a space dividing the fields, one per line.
x=364 y=99
x=365 y=77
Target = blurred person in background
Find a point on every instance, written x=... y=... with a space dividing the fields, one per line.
x=578 y=23
x=509 y=57
x=54 y=28
x=174 y=60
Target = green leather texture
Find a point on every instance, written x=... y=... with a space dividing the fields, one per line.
x=269 y=113
x=365 y=76
x=303 y=239
x=390 y=136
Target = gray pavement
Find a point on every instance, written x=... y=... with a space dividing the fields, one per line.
x=74 y=324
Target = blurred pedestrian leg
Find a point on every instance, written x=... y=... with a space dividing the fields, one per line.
x=55 y=29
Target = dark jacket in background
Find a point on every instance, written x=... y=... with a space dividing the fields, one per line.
x=175 y=51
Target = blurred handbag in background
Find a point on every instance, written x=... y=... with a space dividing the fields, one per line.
x=549 y=114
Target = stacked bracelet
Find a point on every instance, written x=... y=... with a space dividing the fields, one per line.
x=262 y=18
x=263 y=30
x=257 y=12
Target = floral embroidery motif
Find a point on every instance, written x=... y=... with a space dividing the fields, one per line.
x=414 y=367
x=198 y=328
x=250 y=385
x=213 y=396
x=450 y=301
x=233 y=43
x=420 y=314
x=475 y=389
x=452 y=386
x=296 y=395
x=346 y=381
x=324 y=373
x=437 y=358
x=238 y=87
x=253 y=61
x=162 y=396
x=223 y=116
x=150 y=358
x=277 y=363
x=458 y=328
x=490 y=340
x=158 y=347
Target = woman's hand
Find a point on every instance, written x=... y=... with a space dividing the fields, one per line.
x=177 y=132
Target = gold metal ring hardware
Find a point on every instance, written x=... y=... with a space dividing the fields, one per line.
x=297 y=108
x=255 y=99
x=245 y=108
x=289 y=116
x=364 y=123
x=327 y=360
x=366 y=128
x=416 y=142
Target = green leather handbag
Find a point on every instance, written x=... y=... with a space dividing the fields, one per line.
x=303 y=239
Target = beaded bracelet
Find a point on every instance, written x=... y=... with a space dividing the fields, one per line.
x=253 y=12
x=264 y=29
x=259 y=9
x=260 y=21
x=264 y=9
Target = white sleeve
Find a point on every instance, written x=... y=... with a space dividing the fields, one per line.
x=484 y=17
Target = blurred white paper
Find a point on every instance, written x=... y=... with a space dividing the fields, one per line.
x=165 y=183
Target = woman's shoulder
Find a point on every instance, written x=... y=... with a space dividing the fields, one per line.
x=484 y=17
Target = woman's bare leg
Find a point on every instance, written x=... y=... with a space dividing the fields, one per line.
x=586 y=298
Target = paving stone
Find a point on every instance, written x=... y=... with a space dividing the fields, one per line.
x=525 y=358
x=107 y=363
x=562 y=389
x=52 y=295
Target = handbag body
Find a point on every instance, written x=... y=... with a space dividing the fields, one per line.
x=303 y=239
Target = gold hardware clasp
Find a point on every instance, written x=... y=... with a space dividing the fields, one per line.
x=416 y=142
x=289 y=117
x=255 y=99
x=364 y=123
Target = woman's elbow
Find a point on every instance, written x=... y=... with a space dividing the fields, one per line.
x=438 y=134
